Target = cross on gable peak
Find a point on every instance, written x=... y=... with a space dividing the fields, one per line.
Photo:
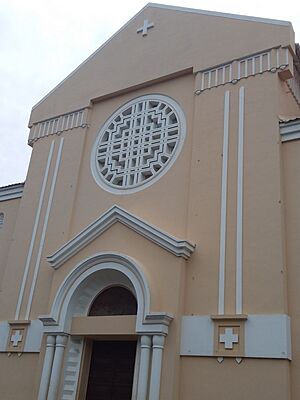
x=144 y=29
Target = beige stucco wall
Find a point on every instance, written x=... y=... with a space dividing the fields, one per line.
x=184 y=202
x=252 y=379
x=18 y=376
x=10 y=210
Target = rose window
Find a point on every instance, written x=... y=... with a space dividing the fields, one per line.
x=137 y=143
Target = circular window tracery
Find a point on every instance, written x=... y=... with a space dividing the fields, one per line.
x=137 y=143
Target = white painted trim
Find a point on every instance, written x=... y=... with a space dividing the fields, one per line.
x=45 y=225
x=47 y=365
x=239 y=213
x=4 y=332
x=266 y=336
x=58 y=124
x=34 y=337
x=87 y=279
x=222 y=260
x=294 y=86
x=178 y=247
x=34 y=232
x=158 y=342
x=136 y=375
x=220 y=14
x=72 y=368
x=11 y=192
x=197 y=336
x=60 y=344
x=290 y=130
x=290 y=137
x=142 y=366
x=236 y=74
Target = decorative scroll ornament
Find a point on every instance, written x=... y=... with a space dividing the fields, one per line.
x=138 y=143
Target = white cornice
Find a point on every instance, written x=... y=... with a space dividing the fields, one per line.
x=178 y=247
x=11 y=192
x=219 y=14
x=290 y=130
x=58 y=124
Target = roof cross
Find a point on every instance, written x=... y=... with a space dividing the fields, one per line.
x=144 y=29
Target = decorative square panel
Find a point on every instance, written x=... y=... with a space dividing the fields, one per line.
x=229 y=335
x=17 y=336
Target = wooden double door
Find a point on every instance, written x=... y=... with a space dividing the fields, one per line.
x=111 y=370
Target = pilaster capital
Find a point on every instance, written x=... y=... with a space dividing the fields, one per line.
x=158 y=341
x=50 y=341
x=61 y=340
x=146 y=341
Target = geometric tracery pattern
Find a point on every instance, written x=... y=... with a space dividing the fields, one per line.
x=137 y=142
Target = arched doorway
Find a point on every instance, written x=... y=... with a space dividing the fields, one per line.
x=69 y=325
x=112 y=362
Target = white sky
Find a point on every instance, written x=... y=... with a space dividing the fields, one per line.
x=42 y=41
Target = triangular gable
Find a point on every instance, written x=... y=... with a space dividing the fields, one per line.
x=178 y=247
x=180 y=39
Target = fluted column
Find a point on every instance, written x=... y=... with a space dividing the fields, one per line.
x=60 y=344
x=158 y=342
x=48 y=360
x=143 y=376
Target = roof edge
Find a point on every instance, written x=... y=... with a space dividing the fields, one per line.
x=89 y=57
x=11 y=192
x=220 y=14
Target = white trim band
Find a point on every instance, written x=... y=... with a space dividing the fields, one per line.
x=239 y=212
x=58 y=124
x=222 y=260
x=34 y=232
x=266 y=336
x=45 y=225
x=290 y=130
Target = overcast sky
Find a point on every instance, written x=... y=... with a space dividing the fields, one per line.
x=42 y=41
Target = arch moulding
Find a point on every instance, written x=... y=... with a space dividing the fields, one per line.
x=77 y=291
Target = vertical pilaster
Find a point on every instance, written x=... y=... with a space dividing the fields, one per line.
x=158 y=342
x=145 y=343
x=48 y=360
x=60 y=344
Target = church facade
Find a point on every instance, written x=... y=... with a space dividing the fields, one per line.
x=153 y=251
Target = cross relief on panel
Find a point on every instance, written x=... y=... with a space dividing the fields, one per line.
x=229 y=335
x=16 y=337
x=229 y=338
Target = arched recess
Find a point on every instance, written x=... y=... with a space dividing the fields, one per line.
x=88 y=279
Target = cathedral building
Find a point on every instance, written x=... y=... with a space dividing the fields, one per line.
x=153 y=251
